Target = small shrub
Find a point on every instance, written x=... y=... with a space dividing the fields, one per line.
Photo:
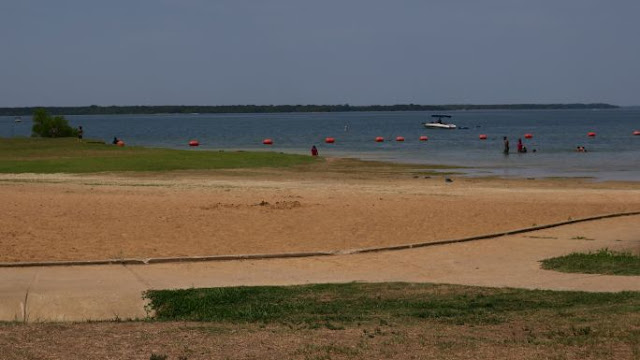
x=44 y=125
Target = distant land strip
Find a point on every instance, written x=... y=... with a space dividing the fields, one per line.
x=231 y=109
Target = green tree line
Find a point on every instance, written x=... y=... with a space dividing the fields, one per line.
x=222 y=109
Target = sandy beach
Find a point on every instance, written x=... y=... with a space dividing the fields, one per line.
x=115 y=216
x=107 y=216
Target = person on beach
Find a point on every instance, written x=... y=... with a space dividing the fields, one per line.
x=314 y=151
x=80 y=133
x=506 y=145
x=115 y=141
x=520 y=146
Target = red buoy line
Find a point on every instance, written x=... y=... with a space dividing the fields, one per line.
x=380 y=139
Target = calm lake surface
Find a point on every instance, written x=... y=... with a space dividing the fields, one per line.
x=614 y=154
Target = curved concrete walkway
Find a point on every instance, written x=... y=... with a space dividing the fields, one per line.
x=107 y=292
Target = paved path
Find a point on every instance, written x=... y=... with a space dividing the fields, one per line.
x=107 y=292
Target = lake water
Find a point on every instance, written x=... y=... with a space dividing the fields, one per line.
x=614 y=154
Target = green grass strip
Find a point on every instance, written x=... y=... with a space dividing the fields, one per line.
x=36 y=155
x=604 y=262
x=356 y=302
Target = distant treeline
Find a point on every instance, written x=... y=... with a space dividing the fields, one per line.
x=186 y=109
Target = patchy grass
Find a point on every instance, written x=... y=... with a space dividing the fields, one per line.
x=338 y=305
x=65 y=155
x=351 y=321
x=603 y=261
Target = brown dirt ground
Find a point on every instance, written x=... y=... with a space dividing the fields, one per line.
x=107 y=216
x=516 y=339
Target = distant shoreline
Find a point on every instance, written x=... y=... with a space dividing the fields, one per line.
x=265 y=109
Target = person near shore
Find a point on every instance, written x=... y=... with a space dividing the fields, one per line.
x=80 y=133
x=115 y=141
x=506 y=145
x=314 y=151
x=581 y=149
x=520 y=146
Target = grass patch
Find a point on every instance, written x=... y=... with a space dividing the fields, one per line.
x=603 y=261
x=377 y=321
x=65 y=155
x=345 y=304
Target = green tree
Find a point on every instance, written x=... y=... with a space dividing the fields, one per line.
x=44 y=125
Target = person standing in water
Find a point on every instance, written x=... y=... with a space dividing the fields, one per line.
x=506 y=145
x=520 y=146
x=314 y=151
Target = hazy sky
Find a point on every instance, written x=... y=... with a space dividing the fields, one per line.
x=216 y=52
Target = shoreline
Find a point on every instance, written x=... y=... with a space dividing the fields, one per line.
x=513 y=170
x=612 y=154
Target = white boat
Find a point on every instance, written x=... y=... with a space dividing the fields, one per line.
x=438 y=124
x=17 y=119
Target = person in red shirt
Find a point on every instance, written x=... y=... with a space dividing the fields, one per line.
x=314 y=151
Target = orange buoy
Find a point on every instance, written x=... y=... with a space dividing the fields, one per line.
x=194 y=143
x=329 y=140
x=399 y=138
x=424 y=138
x=636 y=133
x=379 y=139
x=120 y=143
x=483 y=137
x=591 y=134
x=528 y=136
x=267 y=142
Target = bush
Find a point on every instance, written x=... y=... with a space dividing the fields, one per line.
x=46 y=126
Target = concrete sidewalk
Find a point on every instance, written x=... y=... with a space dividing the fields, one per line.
x=108 y=292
